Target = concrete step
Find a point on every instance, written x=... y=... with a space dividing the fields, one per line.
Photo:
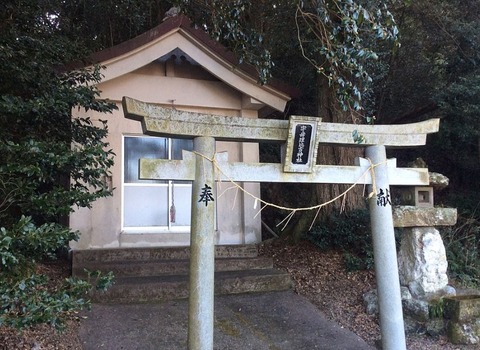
x=154 y=274
x=131 y=268
x=171 y=287
x=80 y=257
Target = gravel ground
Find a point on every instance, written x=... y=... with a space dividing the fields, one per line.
x=319 y=276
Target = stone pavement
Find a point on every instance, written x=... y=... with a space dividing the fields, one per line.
x=264 y=321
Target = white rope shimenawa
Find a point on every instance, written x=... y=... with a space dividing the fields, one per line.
x=286 y=220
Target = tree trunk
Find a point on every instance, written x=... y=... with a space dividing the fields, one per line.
x=329 y=111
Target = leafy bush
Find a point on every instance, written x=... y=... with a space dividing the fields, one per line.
x=462 y=245
x=32 y=300
x=23 y=244
x=50 y=162
x=436 y=308
x=29 y=301
x=349 y=232
x=26 y=297
x=462 y=241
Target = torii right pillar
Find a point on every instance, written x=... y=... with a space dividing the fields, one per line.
x=385 y=254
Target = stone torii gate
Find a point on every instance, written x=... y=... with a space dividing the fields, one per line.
x=302 y=136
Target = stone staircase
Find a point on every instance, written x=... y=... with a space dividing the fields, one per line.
x=157 y=274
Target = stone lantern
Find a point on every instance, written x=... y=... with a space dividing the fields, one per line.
x=418 y=196
x=422 y=259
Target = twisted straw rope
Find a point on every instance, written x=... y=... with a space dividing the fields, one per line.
x=286 y=220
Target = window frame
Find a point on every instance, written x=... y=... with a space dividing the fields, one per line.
x=170 y=184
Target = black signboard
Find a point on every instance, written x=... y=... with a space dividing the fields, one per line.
x=301 y=143
x=301 y=151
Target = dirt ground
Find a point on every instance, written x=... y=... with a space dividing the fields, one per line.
x=319 y=276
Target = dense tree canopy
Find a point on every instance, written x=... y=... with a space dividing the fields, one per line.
x=334 y=38
x=435 y=74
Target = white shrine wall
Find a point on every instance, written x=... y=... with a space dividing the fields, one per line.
x=101 y=226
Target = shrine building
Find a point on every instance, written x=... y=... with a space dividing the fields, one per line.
x=173 y=65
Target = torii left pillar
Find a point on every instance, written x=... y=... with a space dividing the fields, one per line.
x=202 y=248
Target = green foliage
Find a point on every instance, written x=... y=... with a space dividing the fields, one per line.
x=455 y=148
x=233 y=24
x=29 y=301
x=104 y=24
x=102 y=281
x=349 y=232
x=462 y=245
x=357 y=137
x=334 y=37
x=49 y=161
x=435 y=74
x=32 y=300
x=462 y=241
x=23 y=244
x=440 y=40
x=338 y=38
x=27 y=298
x=436 y=308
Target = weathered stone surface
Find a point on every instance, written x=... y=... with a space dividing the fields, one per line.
x=438 y=181
x=462 y=308
x=435 y=327
x=412 y=326
x=370 y=299
x=410 y=216
x=441 y=293
x=405 y=293
x=416 y=308
x=417 y=196
x=161 y=121
x=449 y=291
x=464 y=333
x=416 y=315
x=418 y=163
x=422 y=261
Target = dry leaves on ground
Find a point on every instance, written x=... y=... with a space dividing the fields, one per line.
x=320 y=276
